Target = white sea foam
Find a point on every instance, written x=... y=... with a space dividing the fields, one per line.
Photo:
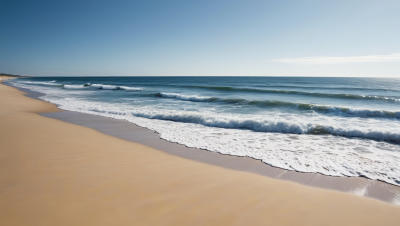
x=185 y=97
x=40 y=83
x=113 y=87
x=286 y=143
x=73 y=86
x=131 y=88
x=106 y=87
x=109 y=87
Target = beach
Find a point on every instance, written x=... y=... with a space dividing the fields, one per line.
x=340 y=127
x=57 y=173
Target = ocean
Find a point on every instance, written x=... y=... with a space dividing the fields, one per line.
x=332 y=126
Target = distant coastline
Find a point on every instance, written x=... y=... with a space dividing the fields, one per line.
x=14 y=76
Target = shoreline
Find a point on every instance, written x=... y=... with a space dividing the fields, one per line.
x=57 y=173
x=128 y=131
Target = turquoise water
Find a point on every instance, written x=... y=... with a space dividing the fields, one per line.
x=333 y=126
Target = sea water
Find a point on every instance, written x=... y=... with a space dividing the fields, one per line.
x=332 y=126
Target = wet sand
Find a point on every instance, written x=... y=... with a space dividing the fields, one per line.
x=58 y=173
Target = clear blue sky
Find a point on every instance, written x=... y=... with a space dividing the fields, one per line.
x=200 y=38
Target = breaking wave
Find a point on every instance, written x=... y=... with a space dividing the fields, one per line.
x=52 y=83
x=345 y=111
x=328 y=95
x=259 y=124
x=194 y=98
x=114 y=87
x=72 y=86
x=348 y=111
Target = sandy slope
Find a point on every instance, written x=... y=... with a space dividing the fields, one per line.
x=55 y=173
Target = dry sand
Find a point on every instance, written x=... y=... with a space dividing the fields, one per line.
x=56 y=173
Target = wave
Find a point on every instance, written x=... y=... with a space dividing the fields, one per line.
x=112 y=87
x=329 y=88
x=72 y=86
x=266 y=125
x=344 y=111
x=329 y=95
x=67 y=86
x=52 y=83
x=283 y=86
x=86 y=85
x=130 y=88
x=359 y=112
x=263 y=125
x=108 y=87
x=194 y=98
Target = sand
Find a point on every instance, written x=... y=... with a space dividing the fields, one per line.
x=128 y=131
x=56 y=173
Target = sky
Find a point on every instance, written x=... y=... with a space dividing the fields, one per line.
x=200 y=38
